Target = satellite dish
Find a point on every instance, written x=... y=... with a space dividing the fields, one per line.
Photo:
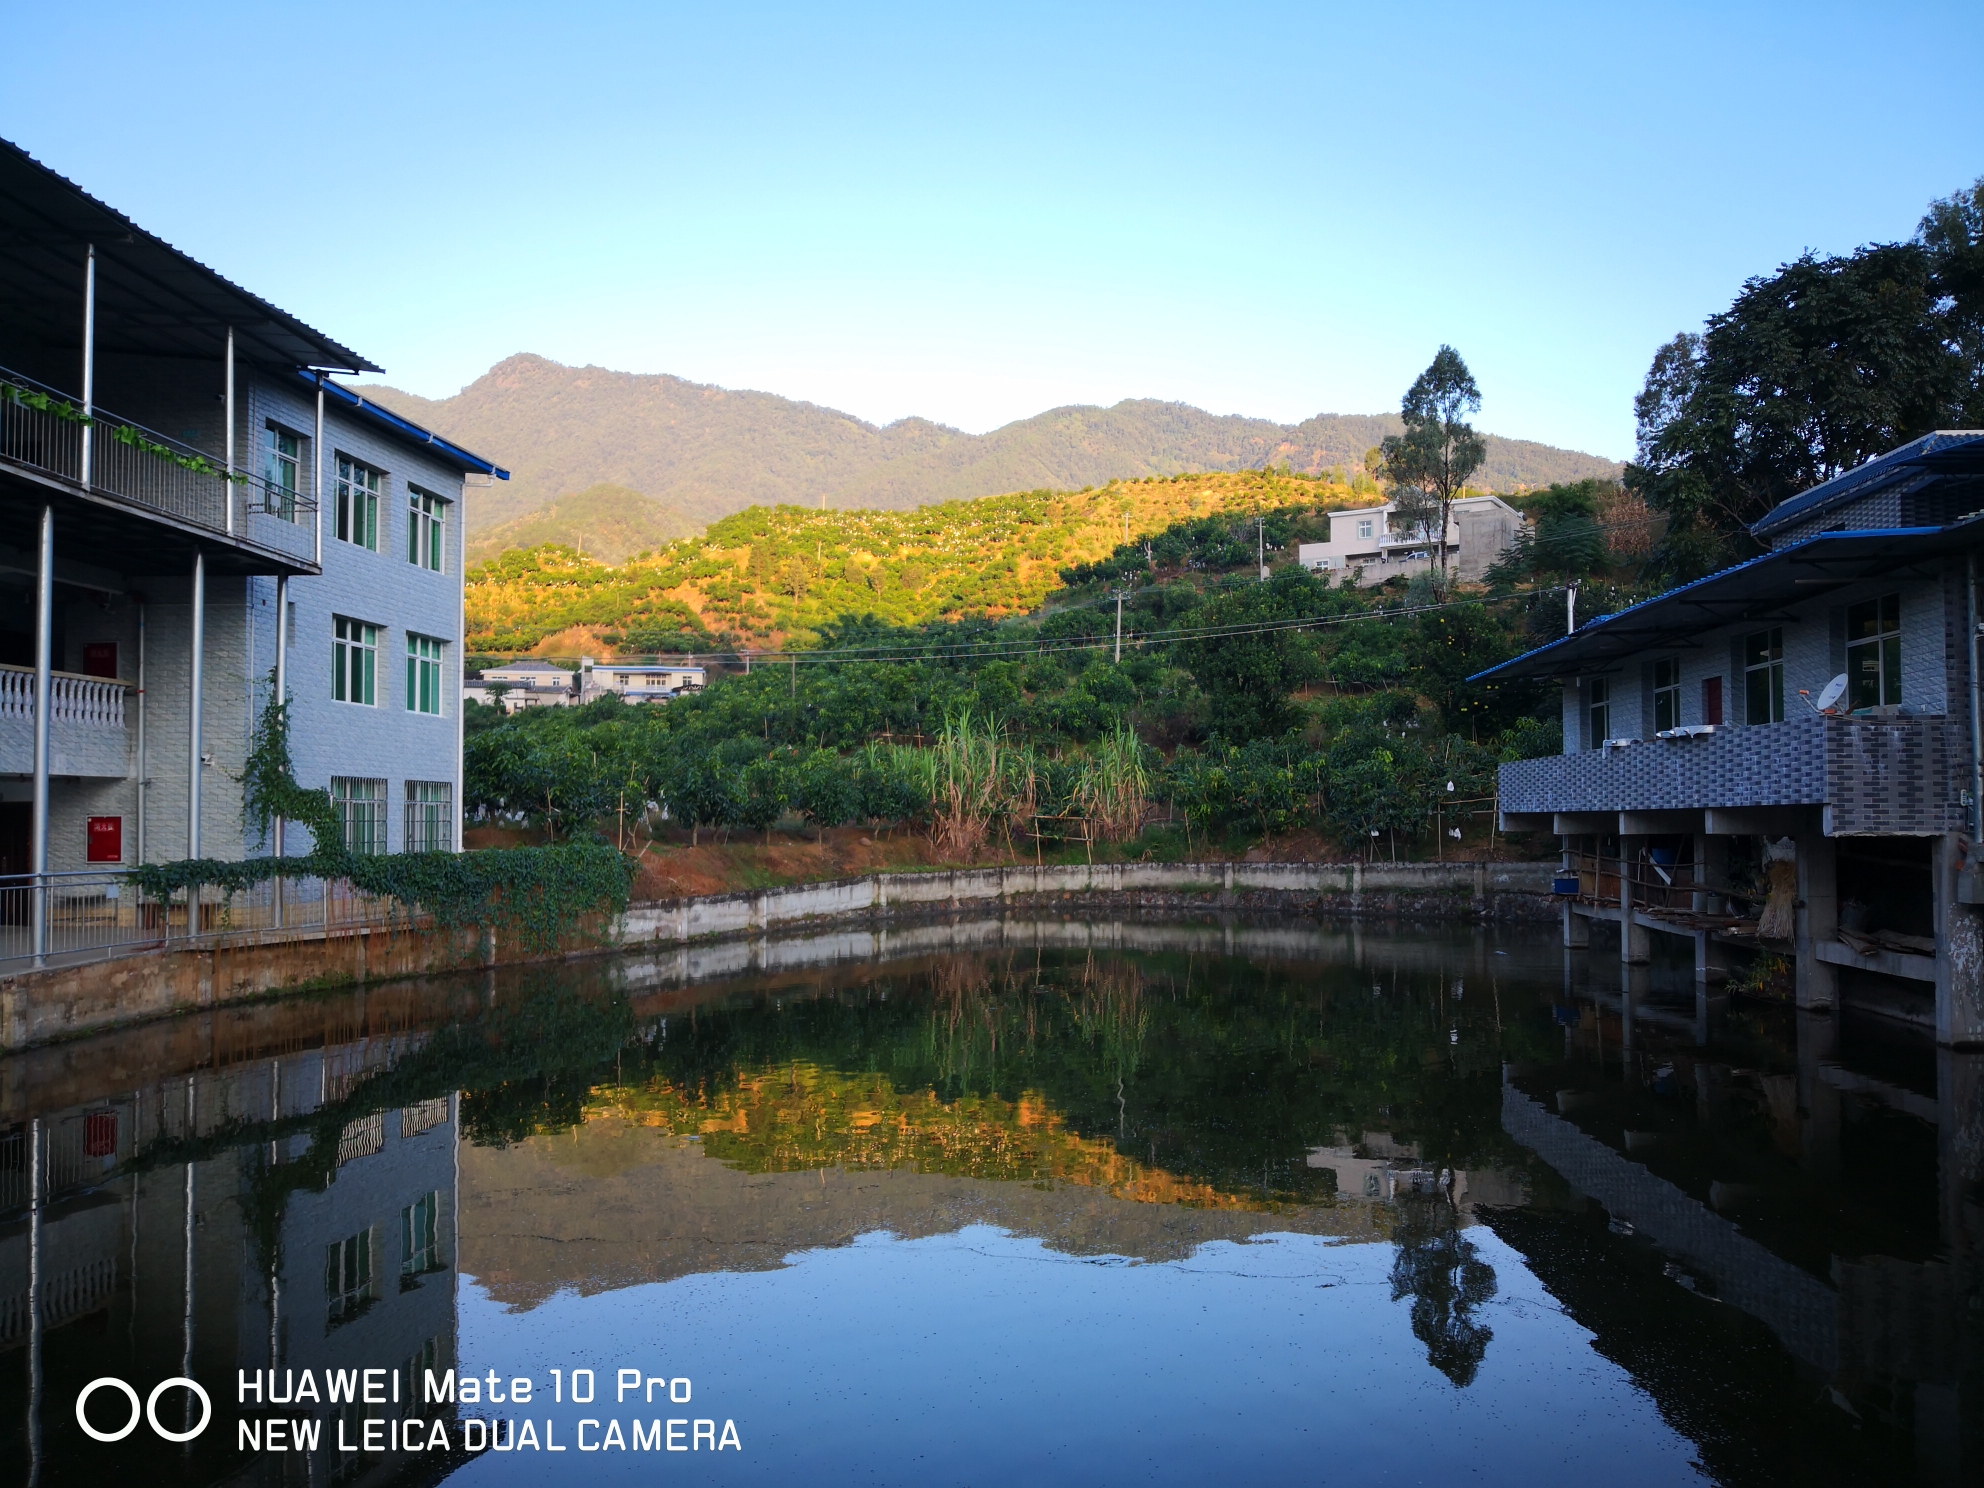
x=1834 y=690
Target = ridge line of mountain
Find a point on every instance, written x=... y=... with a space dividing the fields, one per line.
x=696 y=452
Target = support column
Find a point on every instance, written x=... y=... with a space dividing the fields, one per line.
x=1577 y=927
x=1818 y=1099
x=1817 y=921
x=44 y=643
x=1633 y=945
x=280 y=700
x=317 y=477
x=198 y=645
x=1959 y=951
x=227 y=397
x=89 y=364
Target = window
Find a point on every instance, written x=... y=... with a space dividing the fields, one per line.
x=355 y=662
x=1364 y=528
x=1666 y=695
x=1873 y=653
x=349 y=1287
x=1763 y=676
x=430 y=816
x=419 y=1250
x=423 y=674
x=426 y=520
x=361 y=808
x=1598 y=708
x=282 y=451
x=358 y=504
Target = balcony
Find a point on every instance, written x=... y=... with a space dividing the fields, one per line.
x=1872 y=775
x=86 y=733
x=142 y=471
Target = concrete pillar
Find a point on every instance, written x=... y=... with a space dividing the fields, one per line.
x=1634 y=947
x=1711 y=867
x=1817 y=921
x=1577 y=929
x=1818 y=1098
x=1959 y=952
x=1711 y=958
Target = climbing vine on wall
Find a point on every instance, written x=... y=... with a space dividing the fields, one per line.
x=542 y=894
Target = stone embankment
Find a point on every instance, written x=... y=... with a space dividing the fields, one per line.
x=38 y=1007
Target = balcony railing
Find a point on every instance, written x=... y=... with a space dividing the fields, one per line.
x=86 y=724
x=1872 y=775
x=93 y=702
x=101 y=913
x=42 y=429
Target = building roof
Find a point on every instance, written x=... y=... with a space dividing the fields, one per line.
x=393 y=424
x=152 y=299
x=1755 y=591
x=1921 y=461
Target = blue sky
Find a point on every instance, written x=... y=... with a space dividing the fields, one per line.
x=976 y=214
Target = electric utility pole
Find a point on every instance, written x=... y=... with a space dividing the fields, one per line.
x=1261 y=534
x=1119 y=627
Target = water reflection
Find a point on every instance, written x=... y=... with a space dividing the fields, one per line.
x=1742 y=1235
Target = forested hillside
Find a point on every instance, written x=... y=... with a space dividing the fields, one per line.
x=770 y=572
x=708 y=451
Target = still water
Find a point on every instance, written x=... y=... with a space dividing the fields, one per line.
x=1003 y=1202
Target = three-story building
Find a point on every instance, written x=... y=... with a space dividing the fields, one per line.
x=194 y=519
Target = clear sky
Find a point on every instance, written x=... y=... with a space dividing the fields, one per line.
x=974 y=214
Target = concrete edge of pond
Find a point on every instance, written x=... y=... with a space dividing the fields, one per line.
x=39 y=1007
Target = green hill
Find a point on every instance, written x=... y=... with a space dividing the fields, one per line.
x=607 y=522
x=707 y=452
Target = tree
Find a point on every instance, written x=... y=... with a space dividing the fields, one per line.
x=1249 y=675
x=1812 y=370
x=1438 y=451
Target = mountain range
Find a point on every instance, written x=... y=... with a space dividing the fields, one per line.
x=683 y=454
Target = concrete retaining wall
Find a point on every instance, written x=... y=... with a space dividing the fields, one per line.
x=1349 y=887
x=62 y=1002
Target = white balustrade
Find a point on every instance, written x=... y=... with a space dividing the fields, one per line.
x=95 y=702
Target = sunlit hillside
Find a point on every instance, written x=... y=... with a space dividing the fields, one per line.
x=770 y=572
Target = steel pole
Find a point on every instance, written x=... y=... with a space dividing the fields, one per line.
x=89 y=363
x=227 y=485
x=194 y=683
x=317 y=474
x=44 y=686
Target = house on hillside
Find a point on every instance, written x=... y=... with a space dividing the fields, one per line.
x=1810 y=715
x=530 y=683
x=639 y=682
x=1373 y=543
x=190 y=511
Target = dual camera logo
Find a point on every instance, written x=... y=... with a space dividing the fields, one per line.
x=149 y=1412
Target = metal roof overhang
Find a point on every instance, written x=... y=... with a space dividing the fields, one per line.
x=1920 y=462
x=152 y=299
x=1755 y=591
x=401 y=428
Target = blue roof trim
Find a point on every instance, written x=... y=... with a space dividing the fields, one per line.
x=1896 y=465
x=406 y=428
x=1908 y=537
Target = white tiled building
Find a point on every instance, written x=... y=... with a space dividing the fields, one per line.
x=131 y=378
x=1371 y=543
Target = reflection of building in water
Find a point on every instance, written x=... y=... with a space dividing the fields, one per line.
x=189 y=1228
x=1381 y=1170
x=1892 y=1338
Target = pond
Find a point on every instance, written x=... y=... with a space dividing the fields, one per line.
x=1006 y=1200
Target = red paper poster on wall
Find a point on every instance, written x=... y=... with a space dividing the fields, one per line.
x=106 y=839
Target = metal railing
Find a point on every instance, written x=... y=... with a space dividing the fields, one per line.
x=86 y=915
x=149 y=469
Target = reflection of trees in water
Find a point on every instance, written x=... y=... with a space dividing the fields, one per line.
x=1438 y=1267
